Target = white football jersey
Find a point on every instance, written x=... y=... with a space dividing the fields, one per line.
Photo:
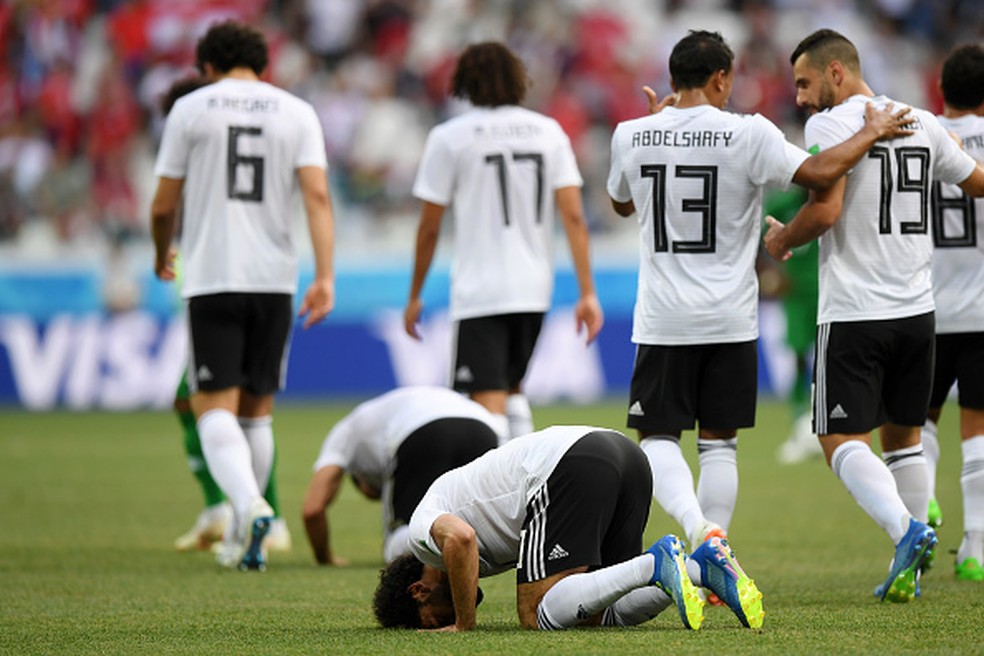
x=958 y=237
x=498 y=169
x=696 y=178
x=491 y=494
x=364 y=442
x=875 y=262
x=237 y=144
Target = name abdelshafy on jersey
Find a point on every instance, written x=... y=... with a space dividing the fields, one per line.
x=682 y=138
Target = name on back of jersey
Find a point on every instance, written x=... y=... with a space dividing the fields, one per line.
x=683 y=138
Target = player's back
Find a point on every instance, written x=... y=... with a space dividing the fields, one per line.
x=874 y=263
x=238 y=145
x=958 y=238
x=499 y=169
x=696 y=178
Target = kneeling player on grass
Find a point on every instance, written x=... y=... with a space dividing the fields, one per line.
x=566 y=507
x=394 y=446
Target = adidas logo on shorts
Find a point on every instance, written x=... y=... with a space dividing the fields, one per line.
x=636 y=410
x=838 y=412
x=463 y=374
x=557 y=552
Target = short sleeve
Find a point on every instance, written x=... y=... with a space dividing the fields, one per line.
x=952 y=164
x=422 y=543
x=435 y=179
x=312 y=140
x=566 y=172
x=618 y=184
x=172 y=157
x=773 y=161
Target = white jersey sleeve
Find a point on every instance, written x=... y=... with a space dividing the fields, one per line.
x=696 y=178
x=958 y=238
x=498 y=170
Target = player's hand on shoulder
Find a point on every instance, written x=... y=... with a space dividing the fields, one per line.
x=318 y=301
x=887 y=123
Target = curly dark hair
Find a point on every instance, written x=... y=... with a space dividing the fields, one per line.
x=392 y=603
x=696 y=57
x=962 y=79
x=180 y=88
x=230 y=45
x=488 y=74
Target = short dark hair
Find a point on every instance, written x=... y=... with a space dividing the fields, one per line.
x=825 y=46
x=178 y=89
x=697 y=56
x=962 y=79
x=392 y=603
x=488 y=74
x=230 y=45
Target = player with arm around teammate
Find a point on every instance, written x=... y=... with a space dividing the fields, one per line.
x=566 y=508
x=504 y=171
x=694 y=174
x=234 y=154
x=875 y=332
x=394 y=446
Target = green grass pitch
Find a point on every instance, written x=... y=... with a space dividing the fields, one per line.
x=91 y=502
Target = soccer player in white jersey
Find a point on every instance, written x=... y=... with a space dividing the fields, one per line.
x=234 y=155
x=695 y=174
x=958 y=290
x=394 y=446
x=504 y=171
x=875 y=319
x=566 y=507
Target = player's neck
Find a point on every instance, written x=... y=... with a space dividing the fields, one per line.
x=953 y=112
x=240 y=73
x=692 y=98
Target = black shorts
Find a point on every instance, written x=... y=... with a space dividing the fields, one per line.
x=428 y=452
x=492 y=353
x=959 y=359
x=238 y=340
x=871 y=372
x=591 y=511
x=674 y=387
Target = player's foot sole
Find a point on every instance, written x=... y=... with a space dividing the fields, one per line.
x=253 y=558
x=670 y=576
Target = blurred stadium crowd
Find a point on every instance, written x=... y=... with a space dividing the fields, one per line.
x=80 y=83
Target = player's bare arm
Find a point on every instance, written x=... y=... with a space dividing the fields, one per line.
x=319 y=299
x=428 y=232
x=588 y=313
x=321 y=493
x=163 y=217
x=974 y=184
x=816 y=217
x=825 y=168
x=459 y=549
